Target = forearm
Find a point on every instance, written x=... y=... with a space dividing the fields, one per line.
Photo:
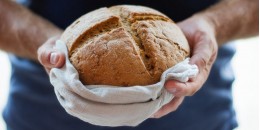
x=22 y=32
x=233 y=19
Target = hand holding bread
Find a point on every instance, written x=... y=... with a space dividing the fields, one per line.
x=200 y=34
x=50 y=57
x=134 y=45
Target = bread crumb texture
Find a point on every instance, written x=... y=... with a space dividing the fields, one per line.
x=124 y=45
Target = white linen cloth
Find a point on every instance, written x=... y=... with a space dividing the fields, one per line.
x=106 y=105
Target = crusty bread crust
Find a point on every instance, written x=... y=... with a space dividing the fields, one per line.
x=124 y=45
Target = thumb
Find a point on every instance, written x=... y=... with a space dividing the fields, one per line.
x=49 y=57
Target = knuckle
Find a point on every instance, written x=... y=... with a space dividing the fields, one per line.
x=185 y=90
x=40 y=56
x=182 y=93
x=203 y=61
x=44 y=57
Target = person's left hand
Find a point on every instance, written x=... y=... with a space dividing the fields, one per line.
x=50 y=57
x=200 y=33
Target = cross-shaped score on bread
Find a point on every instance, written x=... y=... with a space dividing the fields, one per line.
x=124 y=45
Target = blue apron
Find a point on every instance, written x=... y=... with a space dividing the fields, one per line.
x=32 y=104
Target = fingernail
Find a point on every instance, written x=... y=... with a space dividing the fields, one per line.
x=54 y=58
x=173 y=90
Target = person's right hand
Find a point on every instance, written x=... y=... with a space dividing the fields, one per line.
x=50 y=57
x=200 y=33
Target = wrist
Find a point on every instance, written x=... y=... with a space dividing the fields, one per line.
x=211 y=24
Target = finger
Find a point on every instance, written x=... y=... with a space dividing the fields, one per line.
x=203 y=55
x=204 y=51
x=178 y=89
x=171 y=106
x=204 y=63
x=192 y=86
x=49 y=57
x=189 y=88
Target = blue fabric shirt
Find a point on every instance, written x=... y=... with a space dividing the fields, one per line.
x=32 y=104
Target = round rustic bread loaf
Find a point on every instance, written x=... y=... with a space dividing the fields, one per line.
x=124 y=45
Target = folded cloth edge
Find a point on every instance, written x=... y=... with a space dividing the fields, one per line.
x=77 y=98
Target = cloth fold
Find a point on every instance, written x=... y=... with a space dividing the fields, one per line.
x=107 y=105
